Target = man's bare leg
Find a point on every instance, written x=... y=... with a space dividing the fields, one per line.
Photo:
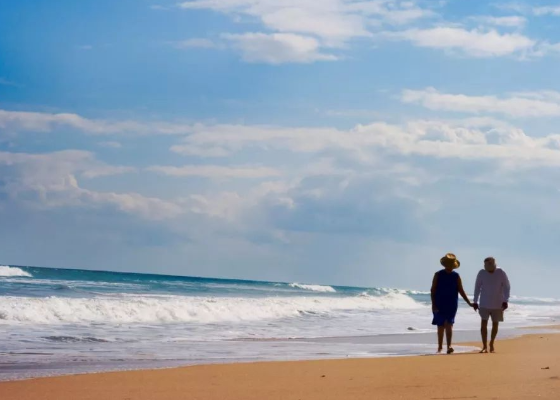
x=440 y=330
x=495 y=325
x=484 y=334
x=449 y=336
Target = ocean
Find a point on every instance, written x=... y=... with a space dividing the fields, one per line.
x=62 y=321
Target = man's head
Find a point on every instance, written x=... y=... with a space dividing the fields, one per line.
x=490 y=264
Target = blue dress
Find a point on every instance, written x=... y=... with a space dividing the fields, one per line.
x=446 y=297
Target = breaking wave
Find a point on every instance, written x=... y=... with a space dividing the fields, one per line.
x=314 y=288
x=401 y=291
x=177 y=309
x=13 y=271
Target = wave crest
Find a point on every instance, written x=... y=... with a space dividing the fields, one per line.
x=179 y=309
x=13 y=271
x=313 y=288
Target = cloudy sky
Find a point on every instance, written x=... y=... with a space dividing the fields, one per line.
x=333 y=141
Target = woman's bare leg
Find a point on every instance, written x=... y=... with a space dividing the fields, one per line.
x=440 y=330
x=448 y=334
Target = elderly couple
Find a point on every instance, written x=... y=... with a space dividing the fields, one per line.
x=492 y=286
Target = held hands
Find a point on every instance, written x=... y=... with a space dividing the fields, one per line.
x=505 y=306
x=475 y=306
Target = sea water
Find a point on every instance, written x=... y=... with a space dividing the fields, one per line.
x=59 y=321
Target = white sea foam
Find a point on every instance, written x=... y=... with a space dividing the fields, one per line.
x=522 y=299
x=402 y=291
x=13 y=271
x=169 y=309
x=417 y=292
x=314 y=288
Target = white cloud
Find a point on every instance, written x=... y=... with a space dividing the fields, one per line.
x=110 y=144
x=526 y=104
x=321 y=160
x=391 y=12
x=106 y=170
x=439 y=139
x=199 y=151
x=230 y=138
x=51 y=181
x=334 y=21
x=527 y=9
x=217 y=171
x=225 y=205
x=278 y=48
x=199 y=43
x=518 y=7
x=345 y=178
x=64 y=162
x=545 y=95
x=333 y=26
x=546 y=48
x=14 y=121
x=469 y=139
x=329 y=23
x=150 y=208
x=512 y=21
x=327 y=19
x=316 y=27
x=547 y=10
x=475 y=43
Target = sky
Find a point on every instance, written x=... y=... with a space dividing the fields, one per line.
x=345 y=142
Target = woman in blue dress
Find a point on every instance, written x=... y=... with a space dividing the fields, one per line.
x=446 y=287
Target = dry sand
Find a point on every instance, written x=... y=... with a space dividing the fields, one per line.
x=523 y=368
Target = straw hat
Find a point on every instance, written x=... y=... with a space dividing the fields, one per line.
x=450 y=259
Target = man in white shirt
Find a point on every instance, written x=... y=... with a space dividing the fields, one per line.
x=493 y=288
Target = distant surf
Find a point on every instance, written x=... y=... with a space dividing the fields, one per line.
x=13 y=271
x=314 y=288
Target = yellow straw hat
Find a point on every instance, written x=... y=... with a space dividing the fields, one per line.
x=450 y=259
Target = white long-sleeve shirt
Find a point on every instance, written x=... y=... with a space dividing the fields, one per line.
x=492 y=288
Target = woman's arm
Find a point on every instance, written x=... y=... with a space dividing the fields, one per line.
x=433 y=292
x=463 y=294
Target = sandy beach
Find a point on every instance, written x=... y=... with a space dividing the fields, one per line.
x=523 y=368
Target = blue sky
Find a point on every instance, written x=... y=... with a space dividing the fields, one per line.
x=333 y=141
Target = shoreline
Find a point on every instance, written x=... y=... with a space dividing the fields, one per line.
x=420 y=344
x=463 y=344
x=522 y=367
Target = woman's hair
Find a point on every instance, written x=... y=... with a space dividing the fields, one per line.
x=490 y=259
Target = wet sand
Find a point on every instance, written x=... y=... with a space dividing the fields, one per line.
x=523 y=368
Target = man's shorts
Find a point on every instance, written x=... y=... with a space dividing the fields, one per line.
x=496 y=314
